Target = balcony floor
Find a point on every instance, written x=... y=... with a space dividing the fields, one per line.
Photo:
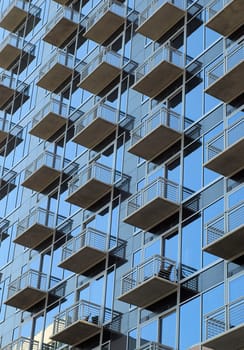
x=229 y=86
x=5 y=188
x=34 y=236
x=152 y=213
x=61 y=32
x=13 y=19
x=88 y=194
x=83 y=260
x=149 y=292
x=229 y=246
x=41 y=178
x=229 y=19
x=232 y=339
x=55 y=79
x=155 y=143
x=6 y=94
x=26 y=298
x=9 y=57
x=158 y=79
x=161 y=21
x=96 y=132
x=48 y=126
x=77 y=333
x=228 y=162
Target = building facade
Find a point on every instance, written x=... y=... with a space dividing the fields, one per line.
x=121 y=174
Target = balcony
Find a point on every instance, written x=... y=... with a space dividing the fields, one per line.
x=10 y=136
x=17 y=13
x=64 y=2
x=225 y=327
x=4 y=226
x=93 y=183
x=7 y=181
x=63 y=27
x=16 y=54
x=159 y=71
x=223 y=80
x=86 y=251
x=225 y=151
x=225 y=234
x=36 y=228
x=154 y=346
x=13 y=93
x=106 y=19
x=26 y=291
x=46 y=171
x=83 y=321
x=22 y=344
x=57 y=72
x=149 y=282
x=50 y=121
x=225 y=16
x=159 y=17
x=156 y=134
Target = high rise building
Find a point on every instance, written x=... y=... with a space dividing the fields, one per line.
x=121 y=174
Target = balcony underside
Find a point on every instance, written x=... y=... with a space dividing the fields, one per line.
x=77 y=333
x=9 y=141
x=229 y=245
x=232 y=339
x=3 y=236
x=149 y=292
x=48 y=126
x=105 y=27
x=64 y=2
x=90 y=193
x=152 y=213
x=10 y=99
x=54 y=80
x=155 y=143
x=6 y=95
x=5 y=188
x=228 y=162
x=13 y=19
x=34 y=236
x=26 y=298
x=83 y=260
x=158 y=79
x=62 y=33
x=229 y=86
x=161 y=21
x=96 y=132
x=229 y=19
x=40 y=179
x=12 y=58
x=100 y=78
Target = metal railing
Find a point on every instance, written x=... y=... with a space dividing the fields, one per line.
x=163 y=53
x=63 y=12
x=224 y=318
x=226 y=138
x=224 y=223
x=19 y=43
x=154 y=266
x=7 y=126
x=87 y=311
x=154 y=346
x=163 y=116
x=22 y=344
x=13 y=83
x=214 y=7
x=228 y=61
x=23 y=5
x=7 y=175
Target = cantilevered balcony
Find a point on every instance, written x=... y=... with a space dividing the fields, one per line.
x=26 y=291
x=64 y=2
x=225 y=151
x=224 y=235
x=156 y=134
x=16 y=53
x=22 y=344
x=62 y=27
x=17 y=13
x=149 y=282
x=159 y=17
x=4 y=225
x=225 y=327
x=93 y=183
x=51 y=120
x=10 y=136
x=105 y=20
x=7 y=181
x=223 y=80
x=159 y=71
x=86 y=251
x=37 y=227
x=154 y=346
x=43 y=172
x=83 y=321
x=13 y=93
x=57 y=72
x=225 y=16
